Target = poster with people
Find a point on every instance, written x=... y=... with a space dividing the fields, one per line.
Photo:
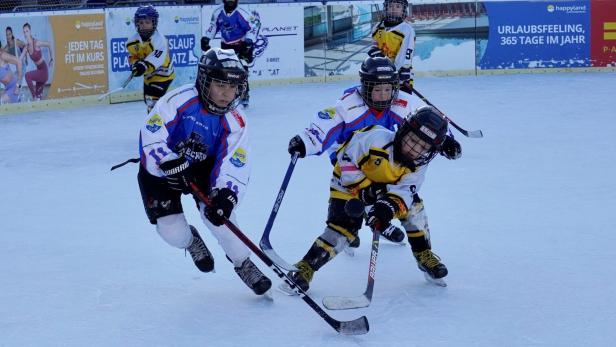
x=51 y=56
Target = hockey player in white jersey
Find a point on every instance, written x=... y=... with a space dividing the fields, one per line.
x=394 y=38
x=238 y=31
x=385 y=169
x=195 y=134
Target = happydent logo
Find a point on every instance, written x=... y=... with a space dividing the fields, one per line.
x=567 y=9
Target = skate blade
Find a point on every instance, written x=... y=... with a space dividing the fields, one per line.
x=436 y=281
x=269 y=295
x=286 y=289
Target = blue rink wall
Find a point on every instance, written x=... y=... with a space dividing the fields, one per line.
x=312 y=41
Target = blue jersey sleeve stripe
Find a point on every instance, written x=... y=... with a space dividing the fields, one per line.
x=222 y=153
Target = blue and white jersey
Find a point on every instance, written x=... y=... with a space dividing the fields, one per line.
x=179 y=125
x=331 y=127
x=235 y=26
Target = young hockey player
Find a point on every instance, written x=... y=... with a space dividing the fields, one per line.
x=385 y=169
x=376 y=102
x=196 y=134
x=238 y=31
x=148 y=54
x=394 y=38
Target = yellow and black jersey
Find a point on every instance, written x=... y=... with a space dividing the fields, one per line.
x=397 y=43
x=366 y=158
x=155 y=53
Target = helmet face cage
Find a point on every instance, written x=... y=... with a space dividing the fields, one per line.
x=420 y=137
x=220 y=66
x=146 y=12
x=395 y=18
x=376 y=71
x=367 y=86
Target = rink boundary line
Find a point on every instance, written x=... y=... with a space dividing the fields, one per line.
x=73 y=102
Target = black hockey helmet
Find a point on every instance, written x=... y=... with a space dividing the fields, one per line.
x=222 y=66
x=146 y=12
x=230 y=5
x=419 y=137
x=375 y=71
x=394 y=19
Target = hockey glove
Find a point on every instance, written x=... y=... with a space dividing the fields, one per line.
x=371 y=193
x=247 y=50
x=381 y=214
x=222 y=202
x=297 y=145
x=205 y=44
x=374 y=51
x=178 y=173
x=138 y=68
x=451 y=148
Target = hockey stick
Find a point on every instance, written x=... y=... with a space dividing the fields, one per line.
x=265 y=244
x=472 y=133
x=358 y=326
x=130 y=78
x=364 y=300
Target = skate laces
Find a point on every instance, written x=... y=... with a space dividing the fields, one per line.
x=249 y=273
x=428 y=258
x=197 y=248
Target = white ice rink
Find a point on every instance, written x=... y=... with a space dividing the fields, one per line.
x=525 y=222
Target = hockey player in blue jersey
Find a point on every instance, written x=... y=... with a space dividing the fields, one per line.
x=377 y=101
x=195 y=134
x=238 y=31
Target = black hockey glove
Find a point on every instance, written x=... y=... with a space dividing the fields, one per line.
x=178 y=173
x=451 y=148
x=138 y=68
x=205 y=44
x=374 y=51
x=371 y=193
x=247 y=50
x=297 y=145
x=222 y=202
x=406 y=80
x=381 y=214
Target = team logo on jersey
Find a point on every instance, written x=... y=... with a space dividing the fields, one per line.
x=239 y=157
x=154 y=123
x=327 y=113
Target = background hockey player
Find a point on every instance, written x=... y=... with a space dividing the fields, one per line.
x=377 y=101
x=148 y=54
x=384 y=169
x=238 y=31
x=196 y=134
x=394 y=38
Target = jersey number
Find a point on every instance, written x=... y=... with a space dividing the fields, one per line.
x=408 y=53
x=158 y=53
x=160 y=151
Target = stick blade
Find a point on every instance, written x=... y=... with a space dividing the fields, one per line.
x=358 y=326
x=276 y=259
x=345 y=303
x=476 y=134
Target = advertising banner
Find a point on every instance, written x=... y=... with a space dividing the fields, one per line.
x=279 y=50
x=57 y=56
x=603 y=37
x=537 y=35
x=179 y=24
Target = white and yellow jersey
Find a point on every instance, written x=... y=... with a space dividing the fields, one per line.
x=397 y=43
x=155 y=53
x=368 y=157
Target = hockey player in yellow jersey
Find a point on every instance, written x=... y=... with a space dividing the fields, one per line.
x=383 y=169
x=148 y=54
x=394 y=38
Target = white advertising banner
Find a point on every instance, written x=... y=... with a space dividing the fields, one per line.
x=181 y=25
x=279 y=49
